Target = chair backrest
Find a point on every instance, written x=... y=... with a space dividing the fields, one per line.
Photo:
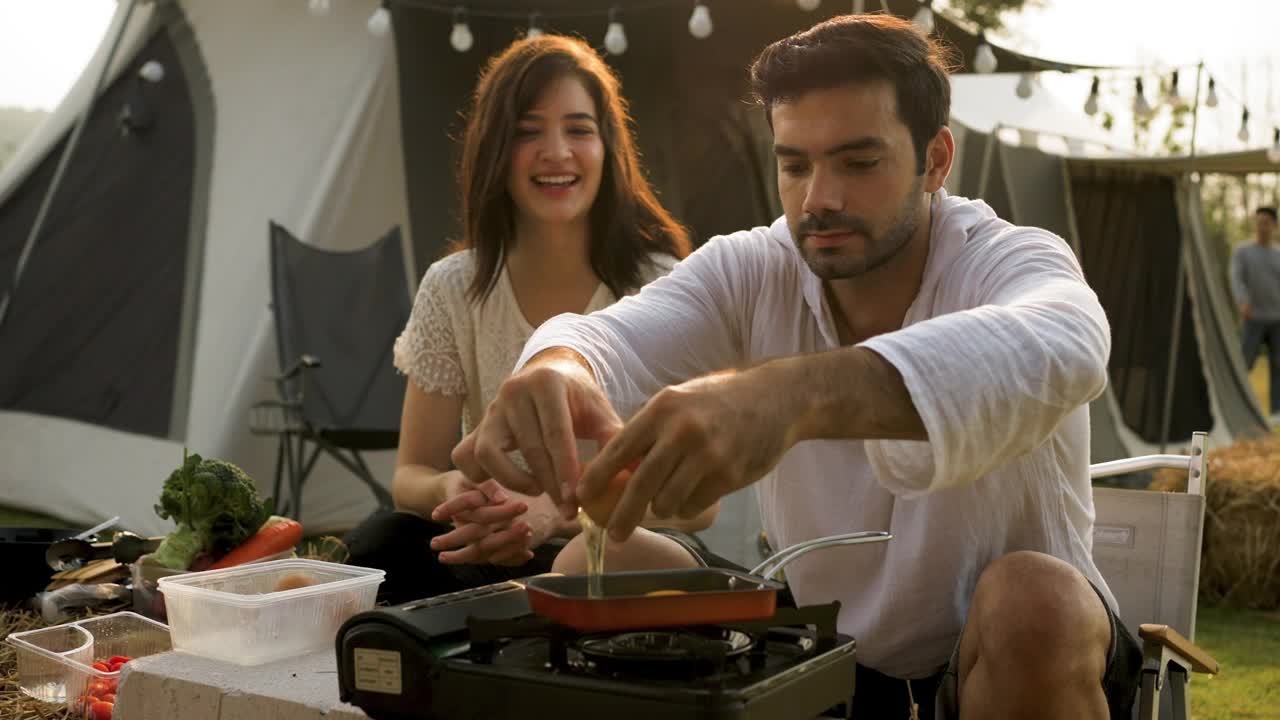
x=1147 y=544
x=346 y=309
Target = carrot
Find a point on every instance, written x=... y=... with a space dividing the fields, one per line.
x=271 y=538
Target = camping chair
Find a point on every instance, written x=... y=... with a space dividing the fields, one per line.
x=1147 y=546
x=337 y=315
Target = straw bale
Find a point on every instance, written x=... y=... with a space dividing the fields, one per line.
x=1240 y=558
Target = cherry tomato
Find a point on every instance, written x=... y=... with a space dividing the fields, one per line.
x=101 y=667
x=102 y=710
x=119 y=659
x=98 y=688
x=109 y=697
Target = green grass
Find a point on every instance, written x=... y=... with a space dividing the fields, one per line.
x=1247 y=645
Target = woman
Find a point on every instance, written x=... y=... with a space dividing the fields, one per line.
x=558 y=217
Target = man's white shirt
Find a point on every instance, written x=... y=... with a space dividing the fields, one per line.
x=1001 y=351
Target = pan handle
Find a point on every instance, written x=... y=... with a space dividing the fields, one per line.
x=774 y=564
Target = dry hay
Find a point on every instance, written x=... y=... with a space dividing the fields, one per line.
x=1240 y=560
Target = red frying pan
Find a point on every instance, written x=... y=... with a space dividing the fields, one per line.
x=670 y=598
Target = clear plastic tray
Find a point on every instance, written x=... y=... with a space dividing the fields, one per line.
x=237 y=615
x=55 y=664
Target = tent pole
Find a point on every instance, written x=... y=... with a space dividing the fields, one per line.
x=1179 y=295
x=65 y=158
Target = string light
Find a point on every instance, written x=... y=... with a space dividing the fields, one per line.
x=1141 y=108
x=1244 y=126
x=1211 y=100
x=460 y=36
x=700 y=21
x=984 y=58
x=1091 y=105
x=1171 y=92
x=319 y=8
x=615 y=38
x=1273 y=152
x=1024 y=89
x=808 y=5
x=379 y=23
x=924 y=18
x=534 y=30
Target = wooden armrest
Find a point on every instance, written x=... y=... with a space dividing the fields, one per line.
x=1200 y=660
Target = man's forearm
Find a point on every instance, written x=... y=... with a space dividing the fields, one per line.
x=850 y=393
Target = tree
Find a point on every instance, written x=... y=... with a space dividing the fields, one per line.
x=990 y=14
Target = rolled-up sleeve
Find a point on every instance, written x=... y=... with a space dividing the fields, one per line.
x=992 y=382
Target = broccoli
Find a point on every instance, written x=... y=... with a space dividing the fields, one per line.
x=216 y=507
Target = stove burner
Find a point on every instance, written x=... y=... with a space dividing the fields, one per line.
x=666 y=645
x=665 y=650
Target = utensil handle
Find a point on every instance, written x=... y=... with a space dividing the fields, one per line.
x=774 y=564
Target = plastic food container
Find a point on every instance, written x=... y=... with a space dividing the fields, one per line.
x=239 y=616
x=55 y=664
x=147 y=599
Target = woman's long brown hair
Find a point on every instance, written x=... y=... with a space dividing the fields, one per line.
x=626 y=221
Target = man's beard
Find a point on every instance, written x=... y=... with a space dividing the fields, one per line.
x=843 y=262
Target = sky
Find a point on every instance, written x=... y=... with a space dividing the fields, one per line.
x=44 y=45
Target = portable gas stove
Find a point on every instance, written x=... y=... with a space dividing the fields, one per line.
x=481 y=654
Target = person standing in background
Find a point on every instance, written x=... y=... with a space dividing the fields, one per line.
x=1255 y=282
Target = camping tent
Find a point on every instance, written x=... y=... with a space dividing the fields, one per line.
x=141 y=323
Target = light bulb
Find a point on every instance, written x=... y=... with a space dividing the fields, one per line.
x=1091 y=105
x=1273 y=152
x=615 y=38
x=460 y=37
x=1141 y=108
x=1024 y=88
x=1243 y=134
x=984 y=60
x=318 y=7
x=859 y=7
x=1212 y=99
x=533 y=32
x=700 y=22
x=1171 y=92
x=924 y=19
x=808 y=5
x=380 y=22
x=151 y=71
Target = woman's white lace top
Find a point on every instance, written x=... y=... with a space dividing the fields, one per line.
x=458 y=348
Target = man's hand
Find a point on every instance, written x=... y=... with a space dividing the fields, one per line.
x=699 y=441
x=1246 y=311
x=540 y=411
x=487 y=526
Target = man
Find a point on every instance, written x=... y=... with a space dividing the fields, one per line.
x=1255 y=281
x=887 y=357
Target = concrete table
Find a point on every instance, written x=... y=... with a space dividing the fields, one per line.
x=177 y=685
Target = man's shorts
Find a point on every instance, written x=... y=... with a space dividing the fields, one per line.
x=881 y=696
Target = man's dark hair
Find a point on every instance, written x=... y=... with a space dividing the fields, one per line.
x=1267 y=211
x=860 y=49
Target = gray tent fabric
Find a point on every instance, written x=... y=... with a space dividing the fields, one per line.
x=93 y=332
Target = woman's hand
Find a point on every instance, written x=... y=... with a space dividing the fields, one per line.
x=488 y=525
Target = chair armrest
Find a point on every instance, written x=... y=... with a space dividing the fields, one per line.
x=304 y=362
x=1197 y=659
